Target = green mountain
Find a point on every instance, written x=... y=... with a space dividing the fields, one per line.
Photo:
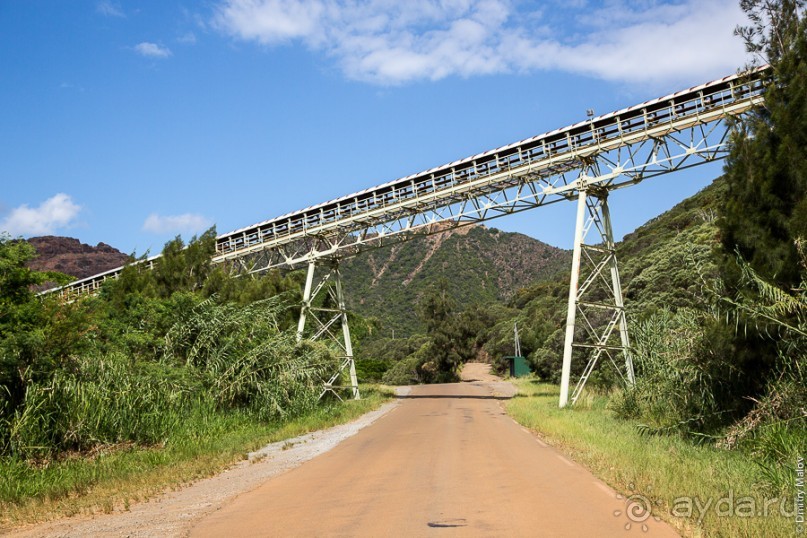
x=480 y=265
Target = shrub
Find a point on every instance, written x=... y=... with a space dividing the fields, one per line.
x=405 y=372
x=104 y=400
x=675 y=384
x=371 y=369
x=246 y=361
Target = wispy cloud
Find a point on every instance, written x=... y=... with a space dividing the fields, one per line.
x=53 y=214
x=187 y=223
x=109 y=9
x=387 y=42
x=71 y=86
x=152 y=50
x=188 y=38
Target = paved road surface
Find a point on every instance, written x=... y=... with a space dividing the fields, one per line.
x=447 y=462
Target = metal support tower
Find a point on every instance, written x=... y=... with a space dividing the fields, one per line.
x=595 y=295
x=325 y=315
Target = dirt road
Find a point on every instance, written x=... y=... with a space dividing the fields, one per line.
x=448 y=461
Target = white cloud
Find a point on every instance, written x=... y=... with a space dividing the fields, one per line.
x=152 y=50
x=391 y=42
x=683 y=42
x=52 y=214
x=271 y=21
x=187 y=223
x=109 y=9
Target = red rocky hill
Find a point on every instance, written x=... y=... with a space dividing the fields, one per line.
x=74 y=258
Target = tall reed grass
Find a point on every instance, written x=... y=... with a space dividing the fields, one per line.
x=216 y=357
x=103 y=400
x=674 y=389
x=246 y=361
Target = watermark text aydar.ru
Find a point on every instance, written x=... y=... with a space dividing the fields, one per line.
x=732 y=505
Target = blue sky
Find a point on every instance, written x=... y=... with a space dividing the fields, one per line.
x=131 y=122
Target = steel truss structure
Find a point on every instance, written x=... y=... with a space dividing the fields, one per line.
x=324 y=306
x=595 y=295
x=583 y=161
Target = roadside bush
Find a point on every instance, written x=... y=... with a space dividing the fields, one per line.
x=777 y=446
x=104 y=400
x=775 y=431
x=546 y=361
x=404 y=372
x=675 y=380
x=246 y=361
x=368 y=370
x=275 y=379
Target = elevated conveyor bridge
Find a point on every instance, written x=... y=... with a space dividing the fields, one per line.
x=581 y=162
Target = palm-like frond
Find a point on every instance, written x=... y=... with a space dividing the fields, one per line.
x=773 y=305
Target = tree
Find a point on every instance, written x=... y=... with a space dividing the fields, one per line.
x=437 y=309
x=765 y=210
x=30 y=341
x=19 y=310
x=184 y=267
x=17 y=281
x=764 y=213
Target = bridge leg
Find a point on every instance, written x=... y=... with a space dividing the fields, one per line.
x=325 y=317
x=306 y=307
x=596 y=306
x=571 y=313
x=354 y=381
x=619 y=302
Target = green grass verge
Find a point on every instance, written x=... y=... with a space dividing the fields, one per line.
x=114 y=477
x=700 y=490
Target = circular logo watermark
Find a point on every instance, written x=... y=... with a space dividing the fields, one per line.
x=638 y=508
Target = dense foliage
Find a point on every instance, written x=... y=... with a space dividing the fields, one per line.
x=765 y=209
x=732 y=370
x=154 y=348
x=763 y=215
x=764 y=226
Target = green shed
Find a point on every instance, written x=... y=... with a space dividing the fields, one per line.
x=519 y=367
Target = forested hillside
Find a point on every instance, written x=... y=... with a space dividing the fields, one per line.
x=665 y=262
x=480 y=265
